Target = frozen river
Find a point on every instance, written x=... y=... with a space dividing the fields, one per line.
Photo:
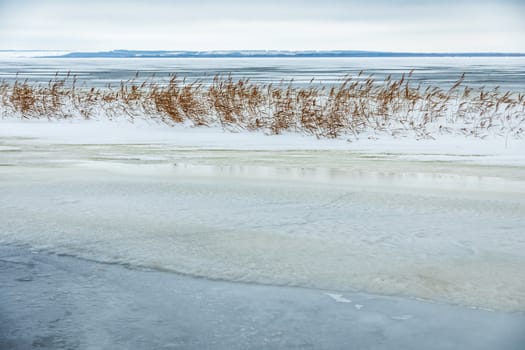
x=508 y=72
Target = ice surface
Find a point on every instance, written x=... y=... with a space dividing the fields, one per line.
x=338 y=298
x=59 y=302
x=332 y=219
x=508 y=73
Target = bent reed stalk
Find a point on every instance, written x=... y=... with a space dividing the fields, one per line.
x=354 y=107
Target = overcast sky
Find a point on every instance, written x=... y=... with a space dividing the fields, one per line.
x=404 y=25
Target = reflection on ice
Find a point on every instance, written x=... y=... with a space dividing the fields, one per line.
x=335 y=176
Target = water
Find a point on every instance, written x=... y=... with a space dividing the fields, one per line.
x=508 y=73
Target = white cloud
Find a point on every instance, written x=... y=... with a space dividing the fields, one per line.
x=405 y=25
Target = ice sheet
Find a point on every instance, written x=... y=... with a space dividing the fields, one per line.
x=72 y=303
x=447 y=231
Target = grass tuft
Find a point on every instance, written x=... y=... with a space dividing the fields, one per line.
x=352 y=108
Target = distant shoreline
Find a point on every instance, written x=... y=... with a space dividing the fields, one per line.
x=254 y=54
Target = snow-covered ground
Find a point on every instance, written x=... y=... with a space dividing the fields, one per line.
x=496 y=150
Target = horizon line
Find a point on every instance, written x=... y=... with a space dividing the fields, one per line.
x=132 y=53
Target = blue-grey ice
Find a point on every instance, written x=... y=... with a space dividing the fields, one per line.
x=60 y=302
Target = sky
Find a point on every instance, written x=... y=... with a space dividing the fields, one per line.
x=377 y=25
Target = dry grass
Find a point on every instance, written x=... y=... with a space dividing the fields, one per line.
x=353 y=107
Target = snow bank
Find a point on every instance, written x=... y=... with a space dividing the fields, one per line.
x=495 y=150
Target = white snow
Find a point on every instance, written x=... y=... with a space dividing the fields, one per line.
x=339 y=298
x=495 y=150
